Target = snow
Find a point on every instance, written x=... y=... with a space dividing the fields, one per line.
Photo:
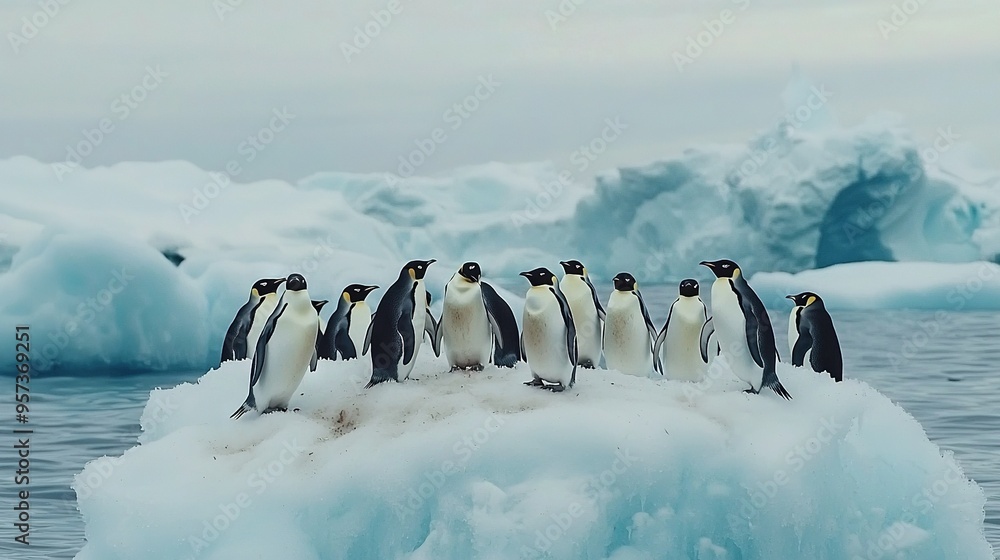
x=885 y=285
x=481 y=467
x=802 y=194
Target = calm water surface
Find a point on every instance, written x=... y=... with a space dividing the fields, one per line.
x=949 y=381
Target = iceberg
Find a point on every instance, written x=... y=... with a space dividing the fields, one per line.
x=466 y=467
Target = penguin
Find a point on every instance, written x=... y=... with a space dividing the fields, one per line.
x=587 y=311
x=346 y=329
x=679 y=343
x=466 y=327
x=507 y=346
x=793 y=327
x=709 y=344
x=816 y=340
x=628 y=331
x=260 y=314
x=743 y=328
x=318 y=306
x=398 y=325
x=286 y=345
x=548 y=336
x=234 y=346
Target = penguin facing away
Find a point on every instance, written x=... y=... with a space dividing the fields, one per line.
x=743 y=328
x=817 y=340
x=587 y=311
x=284 y=350
x=398 y=324
x=506 y=346
x=679 y=343
x=548 y=336
x=629 y=333
x=347 y=326
x=235 y=344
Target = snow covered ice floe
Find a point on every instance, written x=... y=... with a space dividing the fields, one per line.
x=481 y=467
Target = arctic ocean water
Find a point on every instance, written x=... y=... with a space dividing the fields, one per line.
x=946 y=379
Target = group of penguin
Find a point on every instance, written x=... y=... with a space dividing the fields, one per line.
x=563 y=327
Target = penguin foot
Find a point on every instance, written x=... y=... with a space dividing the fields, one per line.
x=275 y=409
x=477 y=367
x=536 y=382
x=557 y=388
x=588 y=364
x=751 y=391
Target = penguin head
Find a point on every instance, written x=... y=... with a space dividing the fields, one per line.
x=540 y=277
x=723 y=268
x=266 y=286
x=357 y=292
x=417 y=269
x=318 y=304
x=804 y=299
x=625 y=282
x=574 y=267
x=295 y=283
x=470 y=271
x=688 y=287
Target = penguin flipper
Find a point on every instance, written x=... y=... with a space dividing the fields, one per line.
x=257 y=367
x=597 y=302
x=750 y=326
x=802 y=345
x=438 y=335
x=707 y=330
x=571 y=346
x=431 y=329
x=344 y=343
x=404 y=325
x=368 y=337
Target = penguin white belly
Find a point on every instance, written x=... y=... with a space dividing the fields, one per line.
x=467 y=334
x=545 y=338
x=361 y=317
x=287 y=357
x=730 y=329
x=259 y=319
x=585 y=318
x=626 y=337
x=419 y=316
x=681 y=349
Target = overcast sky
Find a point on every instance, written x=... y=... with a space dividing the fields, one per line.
x=220 y=72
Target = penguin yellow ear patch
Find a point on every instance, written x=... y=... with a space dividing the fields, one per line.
x=810 y=300
x=737 y=272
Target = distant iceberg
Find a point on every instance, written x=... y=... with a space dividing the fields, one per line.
x=802 y=195
x=459 y=467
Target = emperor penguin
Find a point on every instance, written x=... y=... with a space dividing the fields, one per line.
x=430 y=324
x=234 y=346
x=628 y=331
x=679 y=344
x=548 y=336
x=816 y=339
x=743 y=328
x=286 y=346
x=346 y=329
x=466 y=327
x=397 y=327
x=318 y=306
x=587 y=311
x=259 y=316
x=507 y=346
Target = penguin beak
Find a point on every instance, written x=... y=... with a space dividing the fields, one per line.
x=790 y=297
x=563 y=263
x=282 y=281
x=431 y=261
x=707 y=263
x=525 y=274
x=371 y=288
